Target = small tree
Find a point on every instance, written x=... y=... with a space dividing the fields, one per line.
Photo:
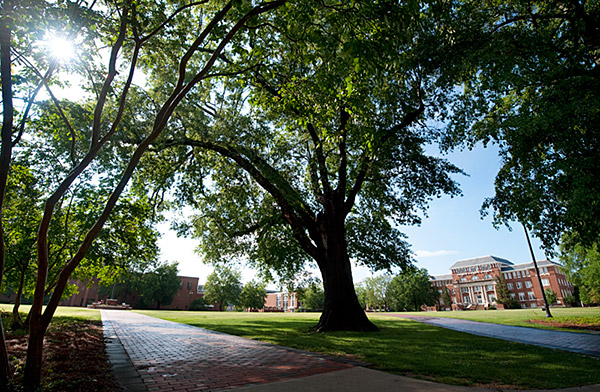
x=377 y=291
x=551 y=296
x=314 y=297
x=199 y=304
x=581 y=264
x=160 y=286
x=361 y=294
x=223 y=286
x=503 y=294
x=410 y=290
x=446 y=297
x=253 y=296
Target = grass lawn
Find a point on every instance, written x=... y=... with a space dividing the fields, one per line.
x=521 y=317
x=409 y=348
x=61 y=312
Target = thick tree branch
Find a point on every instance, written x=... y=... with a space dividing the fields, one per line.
x=343 y=160
x=293 y=209
x=408 y=120
x=170 y=18
x=43 y=82
x=112 y=73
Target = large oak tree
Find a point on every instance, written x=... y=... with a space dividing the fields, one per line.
x=317 y=152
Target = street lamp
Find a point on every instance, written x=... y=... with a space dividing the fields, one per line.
x=537 y=272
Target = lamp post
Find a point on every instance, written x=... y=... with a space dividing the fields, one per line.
x=537 y=272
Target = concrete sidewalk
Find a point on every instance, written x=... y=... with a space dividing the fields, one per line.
x=581 y=343
x=150 y=354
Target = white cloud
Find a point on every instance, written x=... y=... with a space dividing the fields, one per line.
x=435 y=253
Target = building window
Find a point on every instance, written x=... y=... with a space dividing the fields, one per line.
x=521 y=296
x=487 y=276
x=285 y=301
x=477 y=289
x=528 y=273
x=490 y=287
x=464 y=289
x=513 y=295
x=510 y=286
x=475 y=278
x=278 y=301
x=545 y=282
x=528 y=284
x=463 y=279
x=531 y=295
x=519 y=285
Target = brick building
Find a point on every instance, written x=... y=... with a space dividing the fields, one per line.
x=189 y=290
x=281 y=301
x=472 y=283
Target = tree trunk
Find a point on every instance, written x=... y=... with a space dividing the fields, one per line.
x=6 y=25
x=15 y=312
x=341 y=310
x=33 y=365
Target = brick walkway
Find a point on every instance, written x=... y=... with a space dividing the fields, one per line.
x=582 y=343
x=175 y=357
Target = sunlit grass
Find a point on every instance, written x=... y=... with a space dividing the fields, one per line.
x=61 y=311
x=409 y=348
x=521 y=317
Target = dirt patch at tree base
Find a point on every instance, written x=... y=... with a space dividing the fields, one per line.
x=75 y=358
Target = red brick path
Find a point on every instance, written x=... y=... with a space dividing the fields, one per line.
x=177 y=357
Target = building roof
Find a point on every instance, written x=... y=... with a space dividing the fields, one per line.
x=480 y=261
x=540 y=263
x=442 y=277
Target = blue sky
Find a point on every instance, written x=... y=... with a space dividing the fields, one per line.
x=452 y=231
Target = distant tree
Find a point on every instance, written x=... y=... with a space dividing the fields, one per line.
x=411 y=289
x=253 y=296
x=503 y=294
x=361 y=294
x=223 y=286
x=314 y=297
x=199 y=304
x=20 y=220
x=160 y=286
x=582 y=266
x=377 y=291
x=551 y=296
x=570 y=300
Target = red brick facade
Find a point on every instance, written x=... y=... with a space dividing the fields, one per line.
x=472 y=284
x=281 y=302
x=189 y=290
